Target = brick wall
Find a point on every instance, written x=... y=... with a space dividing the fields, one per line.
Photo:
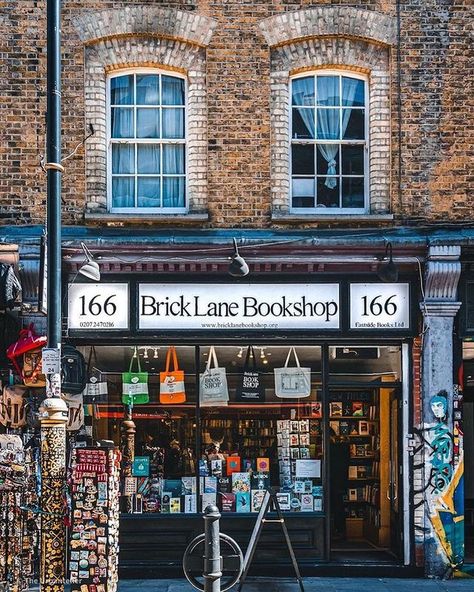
x=437 y=123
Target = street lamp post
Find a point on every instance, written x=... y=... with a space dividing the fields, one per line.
x=54 y=410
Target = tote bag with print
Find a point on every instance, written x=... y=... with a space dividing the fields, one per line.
x=135 y=384
x=12 y=406
x=33 y=369
x=250 y=387
x=172 y=381
x=213 y=383
x=96 y=386
x=75 y=406
x=292 y=382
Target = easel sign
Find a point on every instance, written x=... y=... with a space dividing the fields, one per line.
x=269 y=499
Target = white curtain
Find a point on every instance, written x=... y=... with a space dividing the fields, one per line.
x=148 y=89
x=303 y=94
x=148 y=158
x=328 y=121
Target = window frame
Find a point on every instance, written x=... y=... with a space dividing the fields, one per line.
x=158 y=141
x=366 y=143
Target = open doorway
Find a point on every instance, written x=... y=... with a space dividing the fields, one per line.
x=365 y=428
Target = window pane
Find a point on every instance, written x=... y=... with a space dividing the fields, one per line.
x=328 y=158
x=123 y=192
x=328 y=90
x=353 y=192
x=148 y=192
x=121 y=90
x=148 y=158
x=303 y=123
x=172 y=90
x=173 y=192
x=173 y=159
x=303 y=193
x=303 y=91
x=122 y=123
x=148 y=123
x=173 y=123
x=328 y=192
x=302 y=159
x=353 y=123
x=328 y=124
x=123 y=158
x=352 y=160
x=353 y=93
x=148 y=89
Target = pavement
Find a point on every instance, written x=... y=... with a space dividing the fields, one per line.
x=312 y=585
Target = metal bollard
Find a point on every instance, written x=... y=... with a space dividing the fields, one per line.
x=212 y=550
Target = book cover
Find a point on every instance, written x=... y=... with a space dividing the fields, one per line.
x=334 y=426
x=304 y=425
x=189 y=504
x=233 y=464
x=363 y=428
x=175 y=505
x=203 y=467
x=257 y=496
x=294 y=426
x=260 y=481
x=165 y=502
x=248 y=464
x=344 y=428
x=304 y=439
x=210 y=485
x=354 y=429
x=227 y=501
x=357 y=408
x=352 y=472
x=143 y=485
x=316 y=409
x=314 y=428
x=208 y=499
x=294 y=439
x=335 y=409
x=224 y=485
x=217 y=467
x=346 y=408
x=141 y=466
x=174 y=487
x=188 y=485
x=263 y=464
x=242 y=501
x=240 y=482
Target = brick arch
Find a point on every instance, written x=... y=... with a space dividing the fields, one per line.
x=145 y=20
x=107 y=55
x=330 y=21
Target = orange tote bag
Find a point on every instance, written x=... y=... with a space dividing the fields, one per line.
x=172 y=381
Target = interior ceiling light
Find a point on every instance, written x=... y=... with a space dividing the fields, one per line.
x=238 y=266
x=388 y=271
x=89 y=269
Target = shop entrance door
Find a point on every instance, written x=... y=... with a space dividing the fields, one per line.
x=365 y=454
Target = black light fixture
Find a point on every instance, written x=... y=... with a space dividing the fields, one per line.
x=388 y=271
x=89 y=269
x=238 y=266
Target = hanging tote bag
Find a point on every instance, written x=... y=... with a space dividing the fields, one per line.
x=172 y=381
x=135 y=384
x=12 y=406
x=213 y=383
x=75 y=406
x=292 y=382
x=96 y=387
x=32 y=369
x=250 y=387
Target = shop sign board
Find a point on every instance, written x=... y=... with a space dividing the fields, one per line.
x=98 y=306
x=379 y=306
x=238 y=306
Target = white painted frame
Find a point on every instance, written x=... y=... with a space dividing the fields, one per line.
x=365 y=143
x=158 y=141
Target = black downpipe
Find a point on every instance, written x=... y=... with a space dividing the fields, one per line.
x=54 y=170
x=399 y=99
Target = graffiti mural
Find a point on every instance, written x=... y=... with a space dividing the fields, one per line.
x=441 y=459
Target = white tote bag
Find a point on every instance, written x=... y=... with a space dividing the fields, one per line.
x=292 y=382
x=75 y=405
x=213 y=383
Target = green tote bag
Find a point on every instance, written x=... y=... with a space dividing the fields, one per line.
x=135 y=384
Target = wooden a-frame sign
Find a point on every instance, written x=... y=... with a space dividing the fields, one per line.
x=268 y=499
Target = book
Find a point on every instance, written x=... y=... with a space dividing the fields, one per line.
x=294 y=426
x=189 y=504
x=334 y=426
x=357 y=408
x=233 y=464
x=263 y=464
x=344 y=428
x=227 y=502
x=208 y=499
x=165 y=502
x=294 y=439
x=256 y=499
x=224 y=485
x=304 y=425
x=240 y=482
x=242 y=501
x=363 y=428
x=304 y=439
x=248 y=464
x=141 y=466
x=203 y=467
x=174 y=487
x=352 y=472
x=210 y=485
x=335 y=409
x=260 y=481
x=316 y=409
x=188 y=485
x=175 y=505
x=217 y=467
x=354 y=429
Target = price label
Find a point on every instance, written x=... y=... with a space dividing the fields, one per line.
x=98 y=306
x=380 y=306
x=51 y=360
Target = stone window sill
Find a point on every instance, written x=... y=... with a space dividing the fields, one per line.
x=149 y=219
x=292 y=218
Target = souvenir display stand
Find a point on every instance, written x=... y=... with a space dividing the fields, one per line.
x=18 y=533
x=93 y=544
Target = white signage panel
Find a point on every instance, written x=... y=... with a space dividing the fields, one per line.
x=380 y=306
x=238 y=306
x=98 y=306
